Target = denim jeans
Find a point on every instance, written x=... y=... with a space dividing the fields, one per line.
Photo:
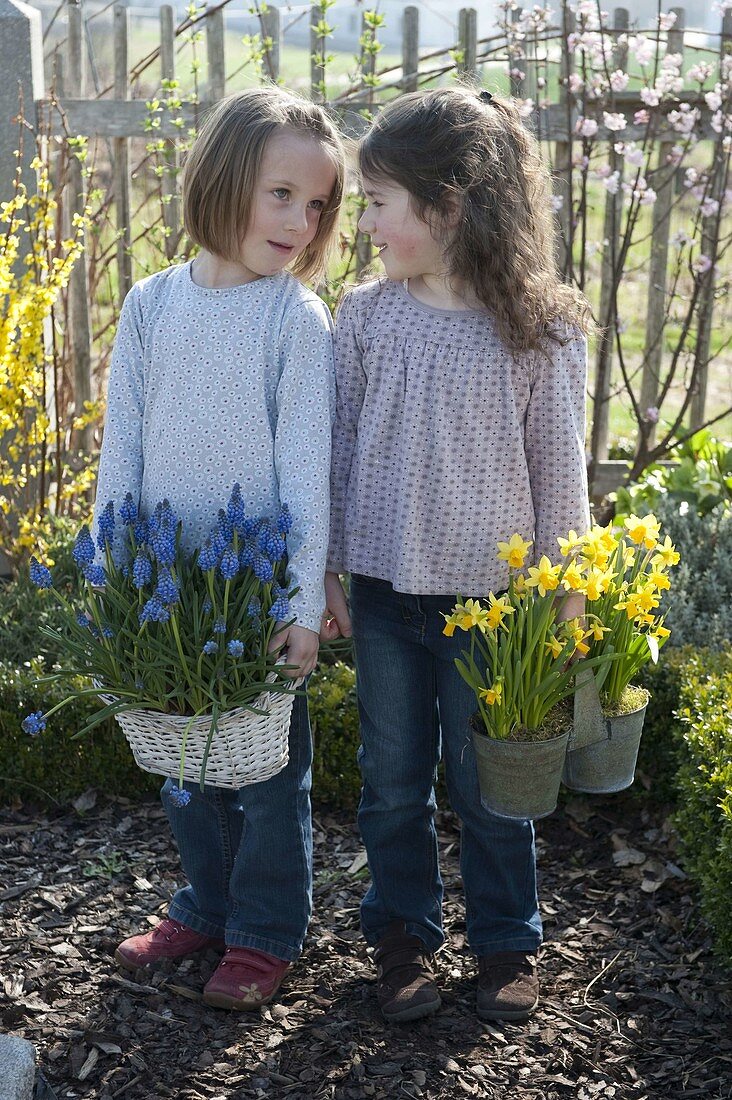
x=248 y=854
x=413 y=706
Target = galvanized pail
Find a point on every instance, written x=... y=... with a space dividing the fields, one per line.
x=519 y=779
x=602 y=751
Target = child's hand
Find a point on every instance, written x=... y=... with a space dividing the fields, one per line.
x=299 y=647
x=336 y=618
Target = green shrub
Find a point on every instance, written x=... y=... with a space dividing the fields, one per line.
x=704 y=783
x=334 y=719
x=660 y=748
x=699 y=476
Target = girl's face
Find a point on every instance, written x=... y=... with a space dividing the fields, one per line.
x=407 y=246
x=296 y=179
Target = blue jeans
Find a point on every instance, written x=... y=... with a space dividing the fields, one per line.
x=413 y=704
x=248 y=854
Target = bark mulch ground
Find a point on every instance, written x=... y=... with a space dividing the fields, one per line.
x=633 y=1003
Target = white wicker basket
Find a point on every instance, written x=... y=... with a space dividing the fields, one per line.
x=246 y=747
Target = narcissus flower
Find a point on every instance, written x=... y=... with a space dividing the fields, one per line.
x=465 y=615
x=573 y=578
x=492 y=695
x=544 y=577
x=555 y=646
x=497 y=610
x=665 y=555
x=643 y=530
x=596 y=583
x=514 y=551
x=571 y=543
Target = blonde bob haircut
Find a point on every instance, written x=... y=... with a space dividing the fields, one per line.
x=223 y=165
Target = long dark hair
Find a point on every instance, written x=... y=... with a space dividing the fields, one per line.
x=451 y=145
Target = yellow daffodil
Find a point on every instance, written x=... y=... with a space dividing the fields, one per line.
x=450 y=623
x=643 y=530
x=661 y=632
x=665 y=556
x=492 y=695
x=594 y=553
x=604 y=537
x=544 y=577
x=659 y=580
x=519 y=584
x=514 y=551
x=566 y=546
x=497 y=610
x=573 y=578
x=555 y=646
x=628 y=557
x=598 y=631
x=647 y=598
x=596 y=583
x=577 y=633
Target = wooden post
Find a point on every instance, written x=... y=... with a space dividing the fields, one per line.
x=709 y=245
x=608 y=298
x=663 y=184
x=79 y=321
x=410 y=48
x=169 y=181
x=215 y=55
x=269 y=21
x=121 y=159
x=468 y=41
x=317 y=51
x=563 y=153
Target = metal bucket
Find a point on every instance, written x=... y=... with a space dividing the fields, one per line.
x=519 y=779
x=602 y=751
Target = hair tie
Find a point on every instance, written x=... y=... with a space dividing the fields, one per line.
x=485 y=96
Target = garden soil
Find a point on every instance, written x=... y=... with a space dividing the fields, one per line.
x=633 y=1003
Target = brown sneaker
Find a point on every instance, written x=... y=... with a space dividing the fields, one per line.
x=405 y=987
x=508 y=988
x=168 y=940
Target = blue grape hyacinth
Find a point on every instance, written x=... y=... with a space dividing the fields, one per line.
x=40 y=574
x=128 y=510
x=84 y=551
x=141 y=570
x=179 y=796
x=263 y=570
x=153 y=611
x=229 y=564
x=210 y=647
x=284 y=520
x=34 y=723
x=208 y=557
x=166 y=589
x=105 y=526
x=95 y=575
x=235 y=648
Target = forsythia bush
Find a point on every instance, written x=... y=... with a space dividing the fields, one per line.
x=29 y=366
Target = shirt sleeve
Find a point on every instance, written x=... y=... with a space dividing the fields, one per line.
x=120 y=462
x=302 y=447
x=350 y=392
x=555 y=443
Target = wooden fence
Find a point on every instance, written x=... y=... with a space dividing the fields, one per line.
x=117 y=117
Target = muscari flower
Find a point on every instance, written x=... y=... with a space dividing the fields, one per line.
x=280 y=609
x=107 y=632
x=166 y=589
x=284 y=520
x=140 y=531
x=105 y=529
x=219 y=627
x=40 y=574
x=95 y=575
x=141 y=570
x=235 y=648
x=263 y=570
x=229 y=564
x=34 y=723
x=254 y=608
x=163 y=543
x=210 y=648
x=83 y=551
x=83 y=619
x=153 y=611
x=207 y=557
x=179 y=796
x=206 y=606
x=246 y=557
x=235 y=511
x=128 y=510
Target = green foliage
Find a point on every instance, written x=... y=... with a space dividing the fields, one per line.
x=700 y=477
x=334 y=718
x=704 y=816
x=699 y=608
x=660 y=747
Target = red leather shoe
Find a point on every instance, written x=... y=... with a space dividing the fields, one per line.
x=245 y=979
x=168 y=940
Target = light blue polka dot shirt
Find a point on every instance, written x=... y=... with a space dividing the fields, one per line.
x=209 y=387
